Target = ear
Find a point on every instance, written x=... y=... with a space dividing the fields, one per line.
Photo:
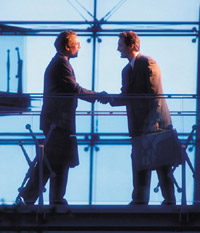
x=132 y=46
x=67 y=47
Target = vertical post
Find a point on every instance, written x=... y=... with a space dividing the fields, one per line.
x=39 y=154
x=19 y=72
x=183 y=200
x=92 y=108
x=8 y=70
x=197 y=152
x=40 y=161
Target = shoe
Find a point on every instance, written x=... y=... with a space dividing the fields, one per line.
x=59 y=202
x=20 y=202
x=167 y=203
x=133 y=203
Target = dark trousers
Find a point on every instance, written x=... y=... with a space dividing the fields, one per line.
x=141 y=184
x=56 y=157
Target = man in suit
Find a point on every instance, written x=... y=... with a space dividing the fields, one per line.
x=59 y=109
x=142 y=76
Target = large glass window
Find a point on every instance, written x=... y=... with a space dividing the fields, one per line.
x=173 y=46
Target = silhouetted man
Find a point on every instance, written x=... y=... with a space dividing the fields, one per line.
x=145 y=115
x=61 y=148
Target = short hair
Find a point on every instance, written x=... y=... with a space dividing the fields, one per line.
x=131 y=38
x=63 y=39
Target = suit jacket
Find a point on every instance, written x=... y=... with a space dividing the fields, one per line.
x=145 y=111
x=59 y=81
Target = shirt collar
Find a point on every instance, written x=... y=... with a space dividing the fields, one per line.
x=133 y=60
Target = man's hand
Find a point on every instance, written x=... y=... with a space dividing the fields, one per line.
x=103 y=97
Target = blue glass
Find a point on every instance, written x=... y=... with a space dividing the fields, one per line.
x=176 y=56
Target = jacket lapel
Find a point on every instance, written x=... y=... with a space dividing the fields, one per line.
x=134 y=70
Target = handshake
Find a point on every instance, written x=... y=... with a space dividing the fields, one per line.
x=103 y=97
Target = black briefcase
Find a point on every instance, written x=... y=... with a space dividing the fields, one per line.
x=62 y=148
x=152 y=151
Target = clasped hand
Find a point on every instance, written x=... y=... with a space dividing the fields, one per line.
x=103 y=97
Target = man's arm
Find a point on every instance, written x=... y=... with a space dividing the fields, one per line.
x=69 y=84
x=154 y=85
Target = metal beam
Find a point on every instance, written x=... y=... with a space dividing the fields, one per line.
x=197 y=154
x=37 y=28
x=103 y=22
x=100 y=218
x=92 y=144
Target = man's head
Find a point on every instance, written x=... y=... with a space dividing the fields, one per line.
x=128 y=44
x=67 y=42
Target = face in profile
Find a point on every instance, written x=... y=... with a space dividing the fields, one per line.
x=125 y=51
x=73 y=46
x=122 y=48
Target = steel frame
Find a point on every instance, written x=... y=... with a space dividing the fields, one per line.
x=94 y=29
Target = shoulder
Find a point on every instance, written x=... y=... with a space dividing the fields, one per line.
x=148 y=63
x=62 y=62
x=146 y=59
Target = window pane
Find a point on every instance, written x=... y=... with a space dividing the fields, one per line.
x=14 y=167
x=146 y=10
x=43 y=10
x=8 y=47
x=112 y=175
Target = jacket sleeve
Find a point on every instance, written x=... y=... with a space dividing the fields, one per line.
x=154 y=86
x=119 y=100
x=68 y=83
x=160 y=112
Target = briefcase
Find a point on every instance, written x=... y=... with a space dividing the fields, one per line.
x=154 y=150
x=62 y=148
